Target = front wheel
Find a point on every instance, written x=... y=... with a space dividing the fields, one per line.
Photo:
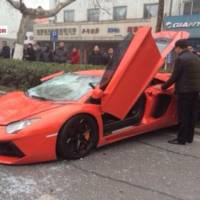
x=77 y=137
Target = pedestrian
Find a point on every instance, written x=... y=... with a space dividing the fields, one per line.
x=186 y=76
x=29 y=53
x=74 y=56
x=108 y=57
x=47 y=55
x=5 y=52
x=60 y=54
x=38 y=52
x=96 y=58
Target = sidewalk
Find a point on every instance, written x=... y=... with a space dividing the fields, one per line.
x=140 y=168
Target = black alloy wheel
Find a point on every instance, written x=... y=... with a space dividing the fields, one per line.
x=77 y=137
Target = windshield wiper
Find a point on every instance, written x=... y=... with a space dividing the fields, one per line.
x=37 y=97
x=91 y=85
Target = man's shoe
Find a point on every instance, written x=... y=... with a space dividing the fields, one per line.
x=176 y=141
x=189 y=141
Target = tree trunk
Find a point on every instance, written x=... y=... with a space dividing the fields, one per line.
x=19 y=46
x=160 y=16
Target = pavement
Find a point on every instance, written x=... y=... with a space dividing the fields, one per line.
x=140 y=168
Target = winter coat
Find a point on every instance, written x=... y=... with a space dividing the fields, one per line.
x=5 y=52
x=47 y=56
x=96 y=59
x=60 y=55
x=108 y=60
x=38 y=55
x=186 y=74
x=74 y=58
x=29 y=54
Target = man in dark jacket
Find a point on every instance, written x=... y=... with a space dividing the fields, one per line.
x=5 y=52
x=60 y=54
x=47 y=54
x=29 y=53
x=96 y=58
x=109 y=57
x=186 y=76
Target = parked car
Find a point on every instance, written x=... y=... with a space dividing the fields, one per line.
x=68 y=114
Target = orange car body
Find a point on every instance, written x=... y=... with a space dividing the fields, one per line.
x=131 y=79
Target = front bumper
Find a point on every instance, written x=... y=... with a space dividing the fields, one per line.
x=10 y=149
x=32 y=146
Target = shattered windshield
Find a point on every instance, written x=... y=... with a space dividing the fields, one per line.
x=68 y=86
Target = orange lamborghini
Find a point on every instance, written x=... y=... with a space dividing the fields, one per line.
x=68 y=114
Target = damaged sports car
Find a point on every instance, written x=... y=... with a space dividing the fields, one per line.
x=69 y=114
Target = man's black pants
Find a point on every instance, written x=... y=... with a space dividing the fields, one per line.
x=187 y=105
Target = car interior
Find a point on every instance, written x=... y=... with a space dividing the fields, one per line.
x=135 y=115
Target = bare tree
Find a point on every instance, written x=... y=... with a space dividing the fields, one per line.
x=101 y=5
x=161 y=6
x=29 y=14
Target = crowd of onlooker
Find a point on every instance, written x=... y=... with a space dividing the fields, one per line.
x=60 y=54
x=45 y=53
x=99 y=58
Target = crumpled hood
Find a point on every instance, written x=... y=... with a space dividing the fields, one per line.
x=16 y=106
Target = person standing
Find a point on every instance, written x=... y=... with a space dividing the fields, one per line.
x=29 y=53
x=38 y=52
x=186 y=76
x=5 y=52
x=109 y=57
x=96 y=58
x=60 y=54
x=74 y=56
x=47 y=55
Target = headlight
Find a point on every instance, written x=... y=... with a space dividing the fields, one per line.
x=17 y=126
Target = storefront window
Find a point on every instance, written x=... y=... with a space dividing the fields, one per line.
x=119 y=13
x=196 y=7
x=191 y=7
x=187 y=8
x=150 y=10
x=93 y=14
x=68 y=15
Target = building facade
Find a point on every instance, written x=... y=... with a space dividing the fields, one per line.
x=187 y=18
x=9 y=18
x=84 y=24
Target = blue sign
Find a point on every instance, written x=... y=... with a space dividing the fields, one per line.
x=190 y=23
x=54 y=36
x=113 y=30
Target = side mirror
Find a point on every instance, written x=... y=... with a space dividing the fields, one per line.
x=46 y=78
x=97 y=93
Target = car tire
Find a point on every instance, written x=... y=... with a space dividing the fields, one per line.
x=77 y=137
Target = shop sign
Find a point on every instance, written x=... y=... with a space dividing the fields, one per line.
x=185 y=22
x=170 y=25
x=113 y=30
x=90 y=31
x=3 y=30
x=60 y=31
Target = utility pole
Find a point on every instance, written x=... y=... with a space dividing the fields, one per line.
x=160 y=15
